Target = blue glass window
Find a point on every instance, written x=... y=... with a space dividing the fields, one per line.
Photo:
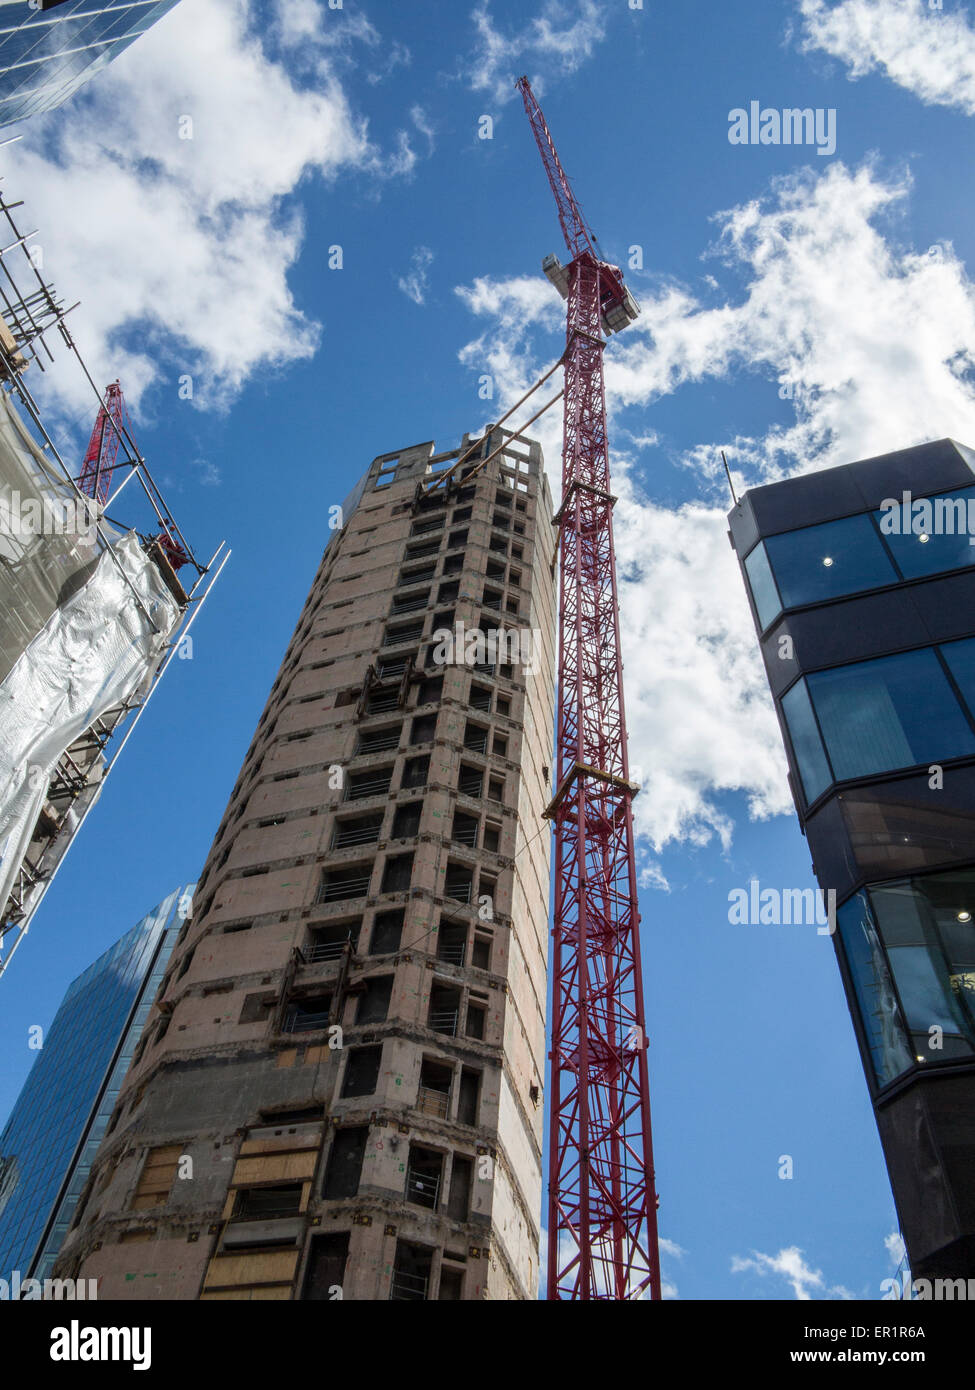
x=879 y=1011
x=960 y=657
x=894 y=712
x=934 y=535
x=828 y=561
x=762 y=585
x=806 y=742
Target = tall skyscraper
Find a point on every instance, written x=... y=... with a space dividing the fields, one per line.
x=61 y=1115
x=862 y=586
x=49 y=50
x=340 y=1093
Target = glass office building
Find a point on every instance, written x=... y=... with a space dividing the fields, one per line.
x=862 y=586
x=61 y=1115
x=48 y=51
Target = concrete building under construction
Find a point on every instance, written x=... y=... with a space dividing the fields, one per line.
x=340 y=1091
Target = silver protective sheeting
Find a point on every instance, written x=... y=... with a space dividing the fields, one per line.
x=96 y=650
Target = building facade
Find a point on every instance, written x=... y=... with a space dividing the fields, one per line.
x=862 y=586
x=60 y=1117
x=340 y=1094
x=49 y=50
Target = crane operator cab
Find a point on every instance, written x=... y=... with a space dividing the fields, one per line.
x=618 y=308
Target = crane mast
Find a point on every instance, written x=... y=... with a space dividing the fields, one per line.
x=602 y=1206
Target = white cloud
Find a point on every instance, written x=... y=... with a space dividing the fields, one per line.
x=930 y=52
x=180 y=248
x=875 y=341
x=416 y=282
x=896 y=1248
x=557 y=41
x=790 y=1264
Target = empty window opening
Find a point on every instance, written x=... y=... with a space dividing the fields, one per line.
x=267 y=1203
x=378 y=740
x=424 y=1177
x=329 y=942
x=363 y=830
x=468 y=1096
x=481 y=951
x=475 y=738
x=344 y=1168
x=308 y=1015
x=352 y=882
x=387 y=931
x=470 y=780
x=374 y=1000
x=464 y=830
x=362 y=1071
x=459 y=1200
x=476 y=1020
x=415 y=772
x=406 y=822
x=423 y=729
x=397 y=873
x=431 y=690
x=326 y=1267
x=452 y=943
x=433 y=1096
x=375 y=782
x=451 y=1284
x=444 y=1010
x=410 y=1280
x=459 y=882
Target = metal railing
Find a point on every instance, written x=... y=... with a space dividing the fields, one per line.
x=411 y=603
x=368 y=786
x=444 y=1021
x=459 y=889
x=464 y=835
x=452 y=952
x=471 y=786
x=408 y=1287
x=378 y=743
x=346 y=835
x=351 y=887
x=408 y=634
x=382 y=701
x=299 y=1022
x=423 y=1189
x=326 y=950
x=476 y=743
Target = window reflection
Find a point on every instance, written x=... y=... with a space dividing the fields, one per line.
x=897 y=711
x=910 y=947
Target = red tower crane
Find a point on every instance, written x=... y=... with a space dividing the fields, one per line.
x=95 y=478
x=101 y=458
x=602 y=1212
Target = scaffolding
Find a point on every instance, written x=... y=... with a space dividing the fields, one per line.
x=92 y=610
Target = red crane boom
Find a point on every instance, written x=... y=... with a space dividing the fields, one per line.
x=95 y=478
x=602 y=1212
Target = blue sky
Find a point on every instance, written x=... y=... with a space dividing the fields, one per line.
x=799 y=310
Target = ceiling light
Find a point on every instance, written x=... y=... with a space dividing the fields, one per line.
x=828 y=561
